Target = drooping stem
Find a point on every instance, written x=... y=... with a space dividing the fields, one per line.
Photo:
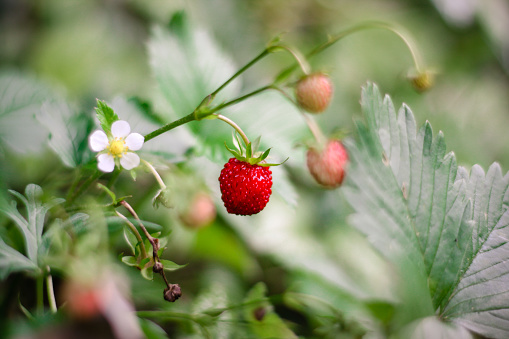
x=51 y=292
x=369 y=25
x=235 y=126
x=154 y=172
x=301 y=61
x=136 y=234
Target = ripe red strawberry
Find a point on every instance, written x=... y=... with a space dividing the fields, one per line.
x=314 y=92
x=245 y=188
x=327 y=165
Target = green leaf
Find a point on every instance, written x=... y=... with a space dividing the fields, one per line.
x=262 y=319
x=151 y=330
x=147 y=273
x=106 y=116
x=13 y=261
x=21 y=97
x=129 y=260
x=68 y=132
x=32 y=226
x=170 y=265
x=421 y=210
x=131 y=239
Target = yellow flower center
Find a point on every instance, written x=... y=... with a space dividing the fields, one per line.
x=117 y=147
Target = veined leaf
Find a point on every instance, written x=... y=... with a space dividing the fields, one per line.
x=416 y=205
x=68 y=132
x=20 y=98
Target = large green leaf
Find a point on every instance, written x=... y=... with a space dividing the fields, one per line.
x=69 y=131
x=20 y=99
x=418 y=207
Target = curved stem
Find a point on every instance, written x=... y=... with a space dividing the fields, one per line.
x=235 y=126
x=154 y=172
x=368 y=25
x=136 y=234
x=304 y=66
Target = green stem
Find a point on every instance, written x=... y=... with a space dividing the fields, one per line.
x=136 y=234
x=260 y=56
x=85 y=185
x=40 y=294
x=242 y=98
x=310 y=122
x=170 y=126
x=154 y=172
x=235 y=126
x=165 y=314
x=51 y=292
x=369 y=25
x=301 y=61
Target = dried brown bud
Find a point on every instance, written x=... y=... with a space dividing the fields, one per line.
x=259 y=313
x=158 y=267
x=172 y=292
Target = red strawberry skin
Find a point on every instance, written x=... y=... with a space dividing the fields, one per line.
x=245 y=188
x=327 y=166
x=314 y=92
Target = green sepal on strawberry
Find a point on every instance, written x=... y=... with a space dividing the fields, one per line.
x=249 y=153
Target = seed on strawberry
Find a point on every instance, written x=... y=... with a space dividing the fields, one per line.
x=245 y=188
x=314 y=92
x=327 y=165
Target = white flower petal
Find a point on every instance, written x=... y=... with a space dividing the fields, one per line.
x=105 y=162
x=98 y=141
x=130 y=160
x=134 y=141
x=120 y=129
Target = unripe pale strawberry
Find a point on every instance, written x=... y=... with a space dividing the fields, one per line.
x=327 y=165
x=314 y=92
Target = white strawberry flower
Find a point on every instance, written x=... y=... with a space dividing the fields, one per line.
x=117 y=148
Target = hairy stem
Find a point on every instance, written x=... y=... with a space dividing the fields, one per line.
x=154 y=172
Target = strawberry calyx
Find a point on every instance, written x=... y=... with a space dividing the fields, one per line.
x=249 y=152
